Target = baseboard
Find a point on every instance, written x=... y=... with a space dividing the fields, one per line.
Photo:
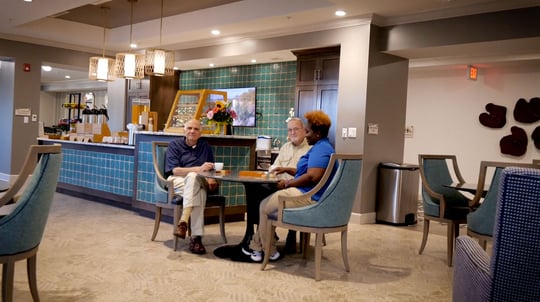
x=363 y=218
x=8 y=178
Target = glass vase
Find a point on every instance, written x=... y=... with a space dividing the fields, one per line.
x=220 y=129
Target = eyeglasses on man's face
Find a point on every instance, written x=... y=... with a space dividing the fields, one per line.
x=293 y=129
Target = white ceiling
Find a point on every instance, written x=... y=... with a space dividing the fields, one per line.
x=42 y=22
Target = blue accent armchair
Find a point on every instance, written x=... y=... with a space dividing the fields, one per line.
x=21 y=229
x=441 y=203
x=164 y=193
x=330 y=214
x=481 y=220
x=513 y=271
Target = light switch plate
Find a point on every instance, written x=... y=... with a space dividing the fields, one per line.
x=34 y=117
x=344 y=132
x=352 y=132
x=373 y=129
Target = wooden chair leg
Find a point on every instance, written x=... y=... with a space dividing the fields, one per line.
x=344 y=252
x=305 y=244
x=424 y=236
x=483 y=243
x=268 y=234
x=318 y=256
x=157 y=221
x=32 y=276
x=176 y=217
x=455 y=233
x=8 y=272
x=450 y=238
x=222 y=223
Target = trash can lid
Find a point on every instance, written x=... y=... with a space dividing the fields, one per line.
x=399 y=166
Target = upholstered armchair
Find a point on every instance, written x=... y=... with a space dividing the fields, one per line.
x=28 y=202
x=512 y=273
x=330 y=214
x=164 y=193
x=441 y=203
x=481 y=219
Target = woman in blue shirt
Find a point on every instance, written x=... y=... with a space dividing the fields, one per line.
x=309 y=171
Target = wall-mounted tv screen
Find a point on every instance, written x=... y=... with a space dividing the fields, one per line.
x=244 y=103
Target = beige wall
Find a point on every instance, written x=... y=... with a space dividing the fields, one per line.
x=443 y=106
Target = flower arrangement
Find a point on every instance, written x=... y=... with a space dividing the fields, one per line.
x=221 y=113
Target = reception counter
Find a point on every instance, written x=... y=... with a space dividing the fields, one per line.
x=124 y=175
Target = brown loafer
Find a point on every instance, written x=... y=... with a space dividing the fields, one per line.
x=181 y=229
x=196 y=246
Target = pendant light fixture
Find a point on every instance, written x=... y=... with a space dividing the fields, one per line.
x=130 y=65
x=102 y=68
x=159 y=62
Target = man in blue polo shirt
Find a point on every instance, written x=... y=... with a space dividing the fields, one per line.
x=186 y=156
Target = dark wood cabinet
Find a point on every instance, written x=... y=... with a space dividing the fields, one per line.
x=322 y=70
x=317 y=76
x=162 y=94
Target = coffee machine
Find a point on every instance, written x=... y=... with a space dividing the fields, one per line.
x=263 y=150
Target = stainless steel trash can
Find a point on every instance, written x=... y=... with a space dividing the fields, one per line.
x=397 y=193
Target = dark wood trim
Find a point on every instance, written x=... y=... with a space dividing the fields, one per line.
x=317 y=52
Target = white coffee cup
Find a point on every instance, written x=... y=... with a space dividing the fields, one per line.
x=218 y=166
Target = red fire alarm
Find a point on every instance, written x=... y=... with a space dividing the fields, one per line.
x=26 y=67
x=473 y=72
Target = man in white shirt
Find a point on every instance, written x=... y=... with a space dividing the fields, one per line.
x=285 y=164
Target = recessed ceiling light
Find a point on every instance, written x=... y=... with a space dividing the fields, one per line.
x=133 y=45
x=68 y=77
x=215 y=32
x=341 y=13
x=46 y=68
x=211 y=64
x=27 y=0
x=253 y=61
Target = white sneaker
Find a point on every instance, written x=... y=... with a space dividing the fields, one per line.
x=274 y=256
x=247 y=251
x=256 y=256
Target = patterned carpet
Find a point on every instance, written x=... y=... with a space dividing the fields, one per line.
x=96 y=252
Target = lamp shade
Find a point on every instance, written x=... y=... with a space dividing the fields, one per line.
x=159 y=62
x=129 y=66
x=101 y=69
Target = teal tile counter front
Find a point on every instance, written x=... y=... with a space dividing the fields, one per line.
x=96 y=171
x=237 y=153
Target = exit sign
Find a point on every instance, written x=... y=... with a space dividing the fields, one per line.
x=472 y=72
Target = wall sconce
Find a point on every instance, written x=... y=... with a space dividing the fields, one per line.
x=102 y=68
x=159 y=62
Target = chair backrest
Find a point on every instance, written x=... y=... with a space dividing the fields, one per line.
x=163 y=189
x=335 y=205
x=22 y=229
x=159 y=152
x=515 y=261
x=435 y=174
x=482 y=219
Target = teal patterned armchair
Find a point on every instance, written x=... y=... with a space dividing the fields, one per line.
x=164 y=193
x=330 y=214
x=481 y=219
x=441 y=203
x=512 y=273
x=21 y=229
